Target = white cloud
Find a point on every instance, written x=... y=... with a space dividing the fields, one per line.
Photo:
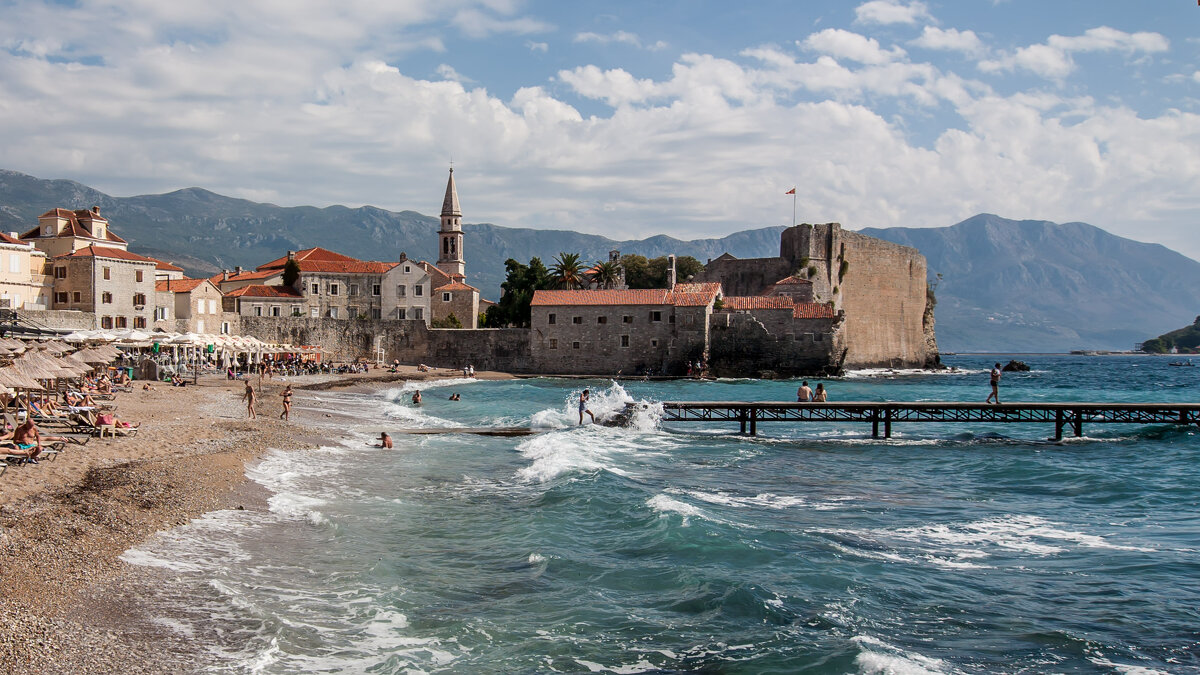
x=1196 y=76
x=950 y=39
x=449 y=73
x=1052 y=60
x=844 y=44
x=890 y=11
x=537 y=46
x=477 y=24
x=619 y=37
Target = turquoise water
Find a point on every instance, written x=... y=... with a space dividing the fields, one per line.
x=947 y=549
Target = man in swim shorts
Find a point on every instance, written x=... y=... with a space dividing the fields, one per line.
x=583 y=399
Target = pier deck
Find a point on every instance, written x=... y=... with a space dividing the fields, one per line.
x=882 y=415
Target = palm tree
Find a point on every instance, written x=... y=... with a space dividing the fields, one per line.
x=606 y=273
x=566 y=271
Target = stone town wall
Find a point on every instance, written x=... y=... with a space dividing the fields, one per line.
x=749 y=276
x=57 y=319
x=612 y=340
x=772 y=344
x=410 y=341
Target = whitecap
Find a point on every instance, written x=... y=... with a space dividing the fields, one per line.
x=878 y=656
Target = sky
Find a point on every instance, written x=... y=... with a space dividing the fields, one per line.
x=624 y=118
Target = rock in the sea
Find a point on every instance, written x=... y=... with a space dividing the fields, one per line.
x=1015 y=366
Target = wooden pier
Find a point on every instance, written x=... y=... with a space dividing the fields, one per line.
x=882 y=415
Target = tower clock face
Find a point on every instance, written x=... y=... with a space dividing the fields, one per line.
x=47 y=230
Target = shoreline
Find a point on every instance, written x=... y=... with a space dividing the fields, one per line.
x=68 y=603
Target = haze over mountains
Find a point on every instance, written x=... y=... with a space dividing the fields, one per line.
x=1006 y=285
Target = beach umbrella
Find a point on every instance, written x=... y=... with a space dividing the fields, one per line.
x=93 y=356
x=13 y=378
x=78 y=336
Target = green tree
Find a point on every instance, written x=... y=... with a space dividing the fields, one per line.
x=606 y=273
x=517 y=292
x=448 y=321
x=637 y=271
x=567 y=271
x=291 y=272
x=642 y=273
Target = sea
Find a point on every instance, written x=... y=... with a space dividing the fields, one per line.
x=671 y=548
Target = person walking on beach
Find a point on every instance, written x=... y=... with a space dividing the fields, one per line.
x=583 y=399
x=248 y=397
x=820 y=395
x=804 y=394
x=995 y=380
x=287 y=403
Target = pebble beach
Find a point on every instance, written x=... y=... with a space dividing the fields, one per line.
x=68 y=604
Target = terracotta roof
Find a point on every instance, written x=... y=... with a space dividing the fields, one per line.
x=162 y=265
x=260 y=291
x=355 y=267
x=314 y=254
x=735 y=302
x=74 y=228
x=694 y=295
x=456 y=286
x=792 y=281
x=94 y=251
x=178 y=285
x=244 y=276
x=812 y=310
x=435 y=273
x=629 y=296
x=9 y=240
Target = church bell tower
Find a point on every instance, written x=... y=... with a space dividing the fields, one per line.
x=450 y=235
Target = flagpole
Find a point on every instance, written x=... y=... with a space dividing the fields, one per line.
x=793 y=207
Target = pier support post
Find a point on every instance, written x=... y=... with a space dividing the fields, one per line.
x=1058 y=424
x=754 y=421
x=874 y=422
x=742 y=418
x=887 y=422
x=1077 y=423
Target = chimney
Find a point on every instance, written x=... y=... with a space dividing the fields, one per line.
x=96 y=210
x=291 y=255
x=224 y=275
x=13 y=235
x=237 y=270
x=671 y=271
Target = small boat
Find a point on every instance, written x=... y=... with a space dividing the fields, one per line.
x=1182 y=363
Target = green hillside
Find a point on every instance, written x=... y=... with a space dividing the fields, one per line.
x=1186 y=340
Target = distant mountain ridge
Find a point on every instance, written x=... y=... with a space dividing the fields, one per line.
x=1006 y=285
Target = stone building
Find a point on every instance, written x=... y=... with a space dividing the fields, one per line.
x=23 y=282
x=774 y=336
x=63 y=231
x=191 y=306
x=880 y=286
x=630 y=331
x=262 y=300
x=114 y=284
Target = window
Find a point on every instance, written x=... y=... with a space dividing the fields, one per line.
x=376 y=313
x=212 y=306
x=671 y=318
x=624 y=340
x=351 y=312
x=60 y=297
x=553 y=343
x=353 y=289
x=160 y=313
x=139 y=298
x=575 y=345
x=375 y=288
x=224 y=328
x=418 y=313
x=200 y=326
x=314 y=312
x=445 y=297
x=407 y=269
x=106 y=298
x=120 y=322
x=577 y=320
x=333 y=289
x=60 y=272
x=316 y=289
x=258 y=310
x=602 y=319
x=14 y=262
x=137 y=276
x=418 y=290
x=75 y=297
x=551 y=319
x=655 y=316
x=107 y=272
x=402 y=290
x=401 y=314
x=106 y=322
x=627 y=319
x=654 y=343
x=275 y=311
x=139 y=322
x=333 y=312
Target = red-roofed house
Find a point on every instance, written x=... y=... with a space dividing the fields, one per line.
x=190 y=305
x=265 y=300
x=62 y=231
x=23 y=283
x=621 y=331
x=114 y=284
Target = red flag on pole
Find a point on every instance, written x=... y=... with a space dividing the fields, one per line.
x=790 y=192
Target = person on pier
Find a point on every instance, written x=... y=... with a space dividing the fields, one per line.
x=995 y=381
x=804 y=394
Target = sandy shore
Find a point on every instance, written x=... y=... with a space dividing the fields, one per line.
x=67 y=603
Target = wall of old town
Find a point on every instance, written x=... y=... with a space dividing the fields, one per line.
x=615 y=339
x=772 y=344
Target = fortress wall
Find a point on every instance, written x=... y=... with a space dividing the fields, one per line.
x=749 y=276
x=771 y=344
x=58 y=319
x=883 y=294
x=410 y=341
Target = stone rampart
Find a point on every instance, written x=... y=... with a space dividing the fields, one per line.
x=58 y=319
x=748 y=276
x=763 y=345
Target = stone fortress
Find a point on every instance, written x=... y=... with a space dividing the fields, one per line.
x=831 y=299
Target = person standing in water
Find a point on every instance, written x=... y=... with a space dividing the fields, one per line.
x=583 y=399
x=995 y=382
x=416 y=399
x=248 y=397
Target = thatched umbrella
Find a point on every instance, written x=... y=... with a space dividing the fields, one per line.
x=92 y=356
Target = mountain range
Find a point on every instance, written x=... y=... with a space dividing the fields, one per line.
x=1005 y=285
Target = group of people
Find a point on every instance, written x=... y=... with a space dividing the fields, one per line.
x=805 y=394
x=250 y=396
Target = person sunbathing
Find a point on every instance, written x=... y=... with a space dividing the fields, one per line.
x=79 y=399
x=103 y=386
x=122 y=379
x=107 y=418
x=27 y=441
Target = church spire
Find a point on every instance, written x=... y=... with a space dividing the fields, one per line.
x=450 y=203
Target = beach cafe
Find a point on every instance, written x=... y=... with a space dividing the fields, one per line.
x=187 y=354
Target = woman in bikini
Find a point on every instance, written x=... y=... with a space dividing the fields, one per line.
x=287 y=402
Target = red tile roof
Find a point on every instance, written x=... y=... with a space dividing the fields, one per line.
x=9 y=240
x=323 y=260
x=178 y=285
x=792 y=281
x=260 y=291
x=684 y=295
x=315 y=254
x=736 y=302
x=74 y=228
x=244 y=276
x=94 y=251
x=456 y=286
x=166 y=266
x=812 y=310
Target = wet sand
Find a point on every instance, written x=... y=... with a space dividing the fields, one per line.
x=67 y=603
